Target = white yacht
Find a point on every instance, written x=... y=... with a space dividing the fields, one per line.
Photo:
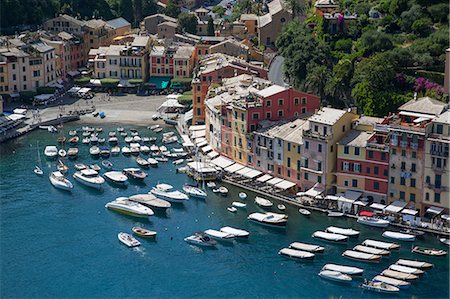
x=125 y=206
x=262 y=202
x=238 y=233
x=370 y=221
x=116 y=177
x=59 y=181
x=51 y=151
x=353 y=271
x=128 y=240
x=296 y=254
x=90 y=178
x=269 y=219
x=335 y=276
x=201 y=239
x=150 y=201
x=126 y=151
x=219 y=235
x=94 y=151
x=115 y=150
x=163 y=191
x=399 y=236
x=194 y=191
x=238 y=204
x=329 y=236
x=381 y=245
x=343 y=231
x=307 y=247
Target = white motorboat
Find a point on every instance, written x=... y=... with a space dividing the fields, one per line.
x=168 y=134
x=125 y=206
x=399 y=236
x=101 y=140
x=144 y=149
x=242 y=195
x=120 y=129
x=137 y=138
x=381 y=245
x=80 y=166
x=72 y=132
x=62 y=153
x=380 y=287
x=128 y=240
x=150 y=201
x=134 y=133
x=113 y=140
x=145 y=139
x=352 y=271
x=116 y=177
x=178 y=162
x=445 y=241
x=281 y=207
x=86 y=140
x=154 y=148
x=112 y=134
x=405 y=269
x=361 y=256
x=153 y=162
x=232 y=209
x=169 y=140
x=94 y=139
x=128 y=139
x=134 y=173
x=371 y=250
x=90 y=178
x=269 y=219
x=51 y=151
x=238 y=204
x=371 y=221
x=160 y=159
x=429 y=251
x=201 y=239
x=329 y=237
x=343 y=231
x=115 y=150
x=307 y=247
x=178 y=150
x=211 y=185
x=123 y=134
x=219 y=235
x=72 y=152
x=238 y=233
x=126 y=151
x=143 y=233
x=194 y=191
x=399 y=275
x=95 y=167
x=414 y=264
x=223 y=191
x=163 y=191
x=304 y=212
x=262 y=202
x=86 y=134
x=158 y=130
x=335 y=276
x=142 y=162
x=392 y=281
x=37 y=170
x=296 y=254
x=154 y=127
x=94 y=150
x=335 y=214
x=59 y=181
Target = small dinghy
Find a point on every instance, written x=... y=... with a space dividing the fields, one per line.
x=94 y=139
x=379 y=287
x=429 y=251
x=399 y=236
x=144 y=149
x=262 y=202
x=62 y=153
x=115 y=150
x=134 y=173
x=335 y=276
x=405 y=269
x=142 y=162
x=335 y=214
x=238 y=204
x=72 y=133
x=223 y=191
x=361 y=256
x=94 y=151
x=414 y=264
x=37 y=170
x=232 y=209
x=242 y=195
x=238 y=233
x=343 y=231
x=371 y=250
x=104 y=152
x=126 y=151
x=74 y=140
x=329 y=237
x=143 y=233
x=178 y=162
x=381 y=245
x=219 y=235
x=153 y=162
x=72 y=152
x=399 y=275
x=86 y=140
x=392 y=281
x=445 y=241
x=107 y=164
x=128 y=240
x=304 y=212
x=281 y=207
x=128 y=139
x=307 y=247
x=211 y=185
x=201 y=239
x=296 y=254
x=80 y=166
x=120 y=129
x=101 y=140
x=352 y=271
x=95 y=167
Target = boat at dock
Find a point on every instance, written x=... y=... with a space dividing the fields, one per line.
x=86 y=140
x=115 y=177
x=371 y=250
x=415 y=264
x=371 y=221
x=144 y=149
x=445 y=241
x=134 y=173
x=296 y=254
x=307 y=247
x=392 y=281
x=51 y=151
x=107 y=164
x=281 y=207
x=143 y=233
x=342 y=231
x=349 y=270
x=62 y=153
x=201 y=239
x=337 y=238
x=335 y=214
x=429 y=251
x=194 y=191
x=125 y=206
x=94 y=139
x=381 y=245
x=361 y=256
x=59 y=181
x=89 y=177
x=128 y=240
x=219 y=235
x=269 y=219
x=262 y=202
x=414 y=232
x=238 y=233
x=72 y=152
x=399 y=275
x=405 y=269
x=163 y=191
x=105 y=152
x=304 y=212
x=153 y=162
x=238 y=204
x=151 y=201
x=380 y=287
x=399 y=236
x=335 y=276
x=63 y=168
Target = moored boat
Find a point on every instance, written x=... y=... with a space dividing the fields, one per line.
x=125 y=206
x=153 y=162
x=116 y=177
x=361 y=256
x=51 y=151
x=126 y=151
x=232 y=209
x=86 y=140
x=371 y=250
x=142 y=162
x=262 y=202
x=95 y=167
x=163 y=191
x=74 y=139
x=330 y=237
x=104 y=152
x=381 y=245
x=445 y=241
x=349 y=270
x=399 y=275
x=150 y=201
x=62 y=153
x=429 y=251
x=72 y=152
x=335 y=214
x=238 y=204
x=414 y=232
x=59 y=181
x=63 y=168
x=343 y=231
x=238 y=233
x=269 y=219
x=406 y=269
x=144 y=149
x=134 y=173
x=296 y=254
x=107 y=164
x=335 y=276
x=115 y=150
x=399 y=236
x=242 y=195
x=143 y=233
x=380 y=287
x=415 y=264
x=392 y=281
x=94 y=151
x=281 y=207
x=307 y=247
x=89 y=177
x=304 y=212
x=128 y=240
x=371 y=221
x=201 y=239
x=219 y=235
x=194 y=191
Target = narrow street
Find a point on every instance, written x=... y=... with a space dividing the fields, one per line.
x=276 y=74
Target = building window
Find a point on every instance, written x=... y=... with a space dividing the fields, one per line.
x=357 y=167
x=427 y=196
x=403 y=153
x=413 y=167
x=289 y=173
x=303 y=101
x=437 y=197
x=280 y=102
x=280 y=113
x=402 y=195
x=383 y=156
x=346 y=150
x=368 y=170
x=392 y=180
x=289 y=162
x=306 y=144
x=296 y=101
x=356 y=151
x=376 y=185
x=319 y=147
x=413 y=182
x=289 y=146
x=403 y=165
x=303 y=110
x=412 y=197
x=319 y=165
x=394 y=151
x=319 y=179
x=345 y=166
x=414 y=155
x=370 y=153
x=255 y=115
x=199 y=99
x=346 y=183
x=268 y=115
x=331 y=148
x=268 y=103
x=343 y=128
x=354 y=183
x=306 y=163
x=402 y=181
x=375 y=170
x=306 y=176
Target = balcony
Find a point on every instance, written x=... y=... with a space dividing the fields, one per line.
x=414 y=145
x=377 y=146
x=403 y=143
x=439 y=153
x=315 y=135
x=394 y=142
x=408 y=128
x=130 y=64
x=381 y=128
x=438 y=168
x=437 y=188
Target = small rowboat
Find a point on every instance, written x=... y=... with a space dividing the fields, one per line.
x=242 y=195
x=281 y=207
x=371 y=250
x=343 y=231
x=128 y=240
x=429 y=251
x=392 y=281
x=238 y=204
x=405 y=269
x=107 y=164
x=143 y=233
x=329 y=237
x=304 y=212
x=74 y=139
x=399 y=236
x=399 y=275
x=262 y=202
x=306 y=247
x=381 y=245
x=353 y=271
x=379 y=287
x=296 y=254
x=232 y=209
x=335 y=276
x=415 y=264
x=361 y=256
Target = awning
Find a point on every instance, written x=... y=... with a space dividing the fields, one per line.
x=206 y=149
x=202 y=143
x=43 y=97
x=187 y=141
x=435 y=210
x=314 y=191
x=366 y=213
x=199 y=140
x=222 y=162
x=345 y=200
x=197 y=134
x=202 y=167
x=74 y=89
x=171 y=103
x=197 y=128
x=360 y=203
x=395 y=207
x=252 y=174
x=16 y=116
x=284 y=185
x=274 y=181
x=445 y=217
x=188 y=115
x=73 y=73
x=352 y=195
x=20 y=111
x=244 y=170
x=331 y=197
x=159 y=82
x=409 y=212
x=264 y=178
x=84 y=90
x=213 y=154
x=377 y=206
x=233 y=168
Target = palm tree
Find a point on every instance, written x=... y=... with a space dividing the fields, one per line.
x=317 y=77
x=297 y=7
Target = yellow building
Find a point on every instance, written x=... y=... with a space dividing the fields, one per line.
x=292 y=143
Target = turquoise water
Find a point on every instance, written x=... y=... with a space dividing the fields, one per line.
x=57 y=244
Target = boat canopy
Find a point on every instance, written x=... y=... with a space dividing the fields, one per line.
x=264 y=178
x=222 y=162
x=434 y=210
x=395 y=207
x=314 y=191
x=233 y=168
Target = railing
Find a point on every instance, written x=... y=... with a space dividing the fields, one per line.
x=316 y=135
x=414 y=145
x=377 y=146
x=406 y=128
x=440 y=154
x=381 y=128
x=403 y=143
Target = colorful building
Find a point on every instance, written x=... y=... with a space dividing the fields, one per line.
x=175 y=61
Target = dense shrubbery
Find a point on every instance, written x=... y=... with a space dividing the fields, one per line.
x=377 y=62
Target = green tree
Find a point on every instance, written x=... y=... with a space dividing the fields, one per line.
x=210 y=29
x=316 y=79
x=126 y=10
x=422 y=27
x=137 y=12
x=338 y=86
x=187 y=22
x=408 y=17
x=297 y=7
x=374 y=41
x=439 y=12
x=219 y=10
x=172 y=9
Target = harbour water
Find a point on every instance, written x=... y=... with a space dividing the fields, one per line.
x=57 y=244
